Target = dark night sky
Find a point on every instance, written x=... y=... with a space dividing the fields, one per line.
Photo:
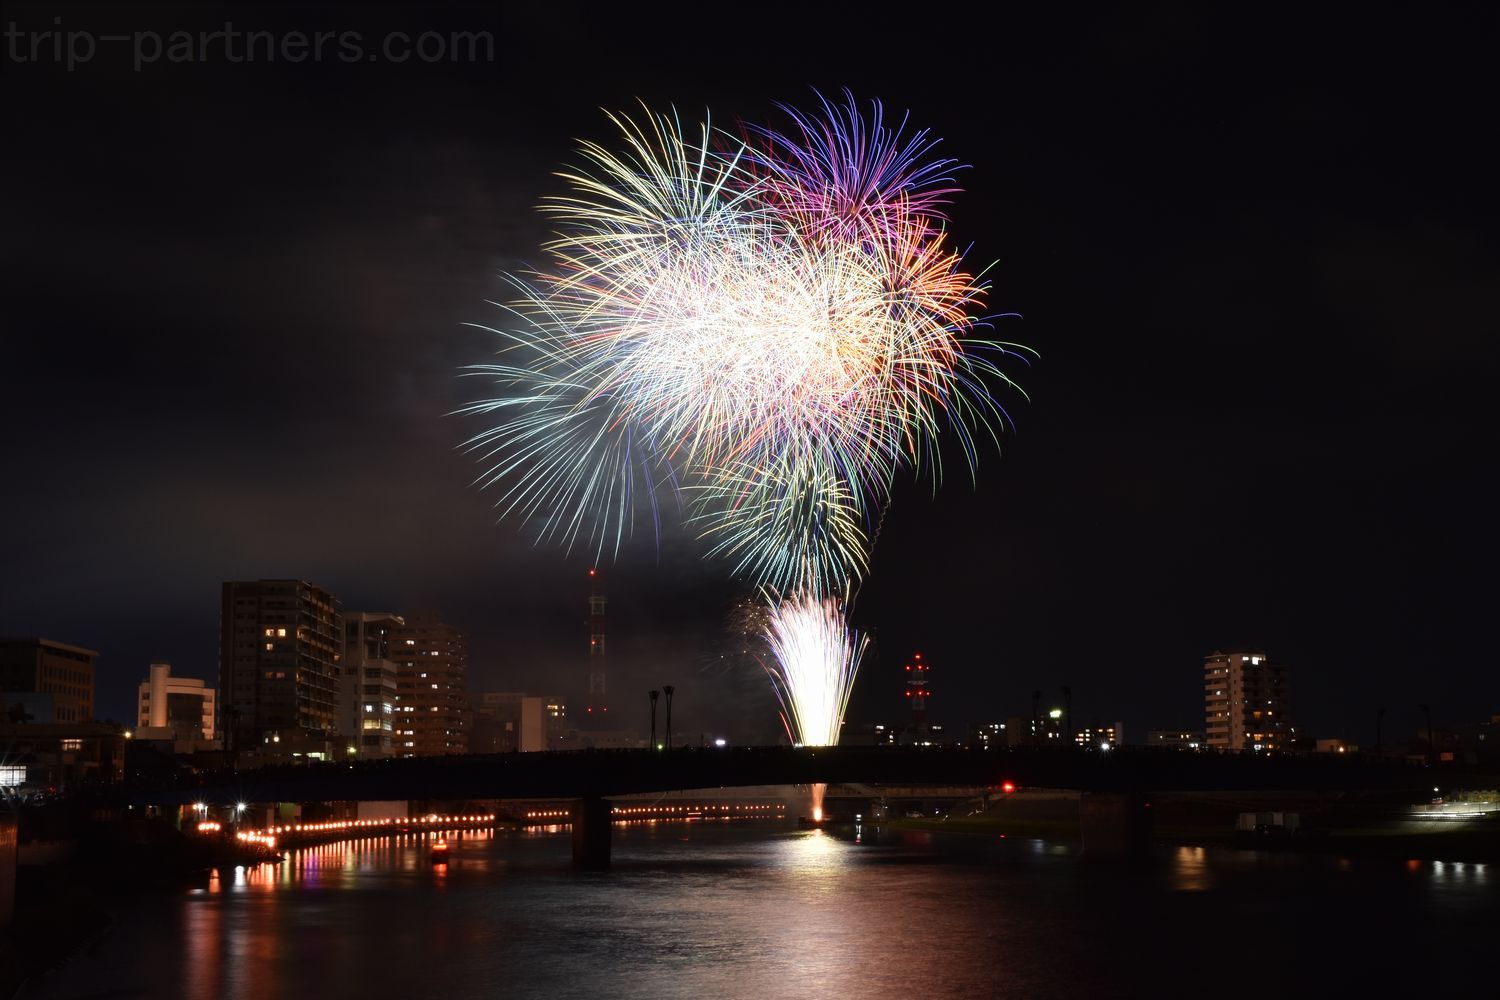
x=1257 y=254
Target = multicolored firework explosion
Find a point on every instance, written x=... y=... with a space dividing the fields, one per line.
x=760 y=330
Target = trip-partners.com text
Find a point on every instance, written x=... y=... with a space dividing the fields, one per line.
x=76 y=48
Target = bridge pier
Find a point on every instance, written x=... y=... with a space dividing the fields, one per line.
x=591 y=833
x=8 y=851
x=1115 y=824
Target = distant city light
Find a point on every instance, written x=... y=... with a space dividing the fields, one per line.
x=721 y=742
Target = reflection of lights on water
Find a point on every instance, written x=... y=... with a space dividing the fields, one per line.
x=813 y=849
x=1190 y=872
x=1456 y=872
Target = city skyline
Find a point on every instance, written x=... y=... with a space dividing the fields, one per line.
x=1222 y=713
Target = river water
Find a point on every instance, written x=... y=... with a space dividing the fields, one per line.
x=766 y=910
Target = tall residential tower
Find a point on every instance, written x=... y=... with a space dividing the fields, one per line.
x=279 y=647
x=368 y=692
x=432 y=707
x=1245 y=702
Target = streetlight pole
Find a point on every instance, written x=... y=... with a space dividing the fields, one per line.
x=654 y=694
x=667 y=689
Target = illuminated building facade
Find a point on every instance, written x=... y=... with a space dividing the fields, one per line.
x=43 y=666
x=367 y=689
x=1042 y=730
x=280 y=643
x=182 y=707
x=988 y=734
x=1245 y=702
x=60 y=754
x=432 y=705
x=1100 y=736
x=555 y=721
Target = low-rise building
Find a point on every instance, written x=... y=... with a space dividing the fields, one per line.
x=59 y=755
x=1176 y=739
x=179 y=708
x=1100 y=736
x=988 y=734
x=46 y=666
x=509 y=721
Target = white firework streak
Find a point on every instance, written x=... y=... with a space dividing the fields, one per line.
x=816 y=659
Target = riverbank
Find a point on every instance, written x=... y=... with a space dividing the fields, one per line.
x=67 y=890
x=1364 y=828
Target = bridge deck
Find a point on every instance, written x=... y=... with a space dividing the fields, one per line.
x=603 y=773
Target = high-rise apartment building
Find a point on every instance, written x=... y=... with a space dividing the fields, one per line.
x=43 y=666
x=1245 y=702
x=368 y=684
x=432 y=708
x=280 y=642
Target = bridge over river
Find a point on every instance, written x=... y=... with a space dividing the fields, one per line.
x=1117 y=782
x=602 y=773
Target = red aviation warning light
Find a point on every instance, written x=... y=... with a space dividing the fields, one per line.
x=917 y=691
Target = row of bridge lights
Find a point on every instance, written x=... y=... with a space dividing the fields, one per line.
x=642 y=810
x=660 y=810
x=339 y=826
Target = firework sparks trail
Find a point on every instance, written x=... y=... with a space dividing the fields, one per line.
x=761 y=330
x=817 y=658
